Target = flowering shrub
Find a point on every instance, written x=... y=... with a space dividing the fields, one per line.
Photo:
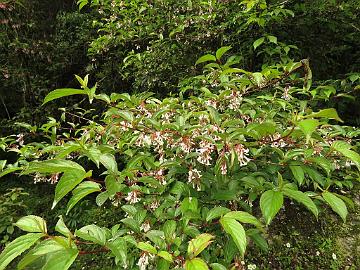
x=199 y=175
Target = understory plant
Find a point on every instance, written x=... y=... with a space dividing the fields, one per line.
x=198 y=175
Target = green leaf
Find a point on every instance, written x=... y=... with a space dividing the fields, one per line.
x=258 y=239
x=196 y=264
x=217 y=266
x=244 y=217
x=322 y=162
x=47 y=246
x=128 y=116
x=165 y=255
x=344 y=149
x=53 y=166
x=308 y=126
x=147 y=247
x=169 y=229
x=216 y=212
x=270 y=203
x=206 y=58
x=17 y=247
x=220 y=52
x=119 y=248
x=62 y=228
x=61 y=260
x=109 y=162
x=236 y=231
x=329 y=113
x=92 y=233
x=197 y=245
x=64 y=92
x=68 y=181
x=298 y=172
x=101 y=198
x=32 y=224
x=336 y=204
x=301 y=198
x=272 y=39
x=82 y=190
x=258 y=42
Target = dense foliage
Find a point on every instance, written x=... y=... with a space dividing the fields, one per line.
x=200 y=130
x=195 y=167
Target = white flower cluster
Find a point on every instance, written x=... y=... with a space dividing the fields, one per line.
x=132 y=197
x=242 y=152
x=194 y=178
x=53 y=179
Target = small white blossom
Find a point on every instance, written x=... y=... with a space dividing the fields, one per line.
x=223 y=168
x=145 y=226
x=39 y=178
x=132 y=197
x=288 y=245
x=20 y=138
x=334 y=256
x=154 y=205
x=205 y=151
x=143 y=261
x=251 y=266
x=241 y=152
x=286 y=95
x=317 y=253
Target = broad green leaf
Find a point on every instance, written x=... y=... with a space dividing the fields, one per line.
x=308 y=126
x=64 y=92
x=258 y=239
x=217 y=266
x=147 y=247
x=336 y=204
x=53 y=166
x=244 y=217
x=163 y=264
x=298 y=172
x=68 y=181
x=17 y=247
x=189 y=204
x=61 y=260
x=258 y=78
x=62 y=228
x=92 y=233
x=101 y=198
x=169 y=229
x=344 y=149
x=9 y=170
x=197 y=245
x=220 y=52
x=165 y=255
x=258 y=42
x=301 y=198
x=196 y=264
x=270 y=203
x=272 y=39
x=82 y=190
x=128 y=116
x=109 y=162
x=329 y=113
x=32 y=224
x=47 y=246
x=322 y=162
x=119 y=248
x=206 y=58
x=216 y=212
x=236 y=231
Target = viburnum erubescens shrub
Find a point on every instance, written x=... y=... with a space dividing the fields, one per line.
x=199 y=175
